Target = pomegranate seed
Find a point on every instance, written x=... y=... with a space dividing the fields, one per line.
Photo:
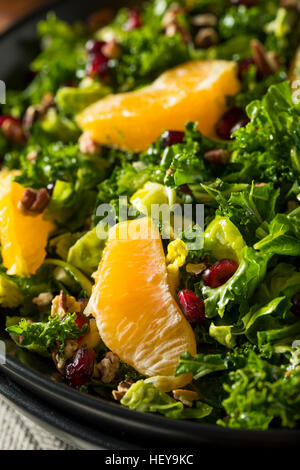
x=192 y=307
x=244 y=65
x=134 y=21
x=8 y=118
x=98 y=66
x=219 y=273
x=169 y=138
x=80 y=371
x=242 y=123
x=80 y=321
x=232 y=118
x=247 y=3
x=296 y=305
x=94 y=47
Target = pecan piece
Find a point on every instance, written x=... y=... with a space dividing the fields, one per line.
x=206 y=19
x=43 y=299
x=34 y=202
x=35 y=113
x=13 y=131
x=63 y=304
x=88 y=145
x=266 y=62
x=111 y=49
x=123 y=387
x=206 y=37
x=108 y=367
x=187 y=397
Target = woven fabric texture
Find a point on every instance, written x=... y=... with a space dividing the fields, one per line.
x=19 y=433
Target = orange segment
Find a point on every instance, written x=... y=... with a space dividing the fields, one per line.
x=195 y=91
x=137 y=317
x=23 y=238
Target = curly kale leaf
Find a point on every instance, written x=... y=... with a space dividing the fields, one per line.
x=267 y=149
x=259 y=393
x=46 y=337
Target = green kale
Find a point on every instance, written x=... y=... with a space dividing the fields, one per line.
x=46 y=337
x=260 y=393
x=267 y=149
x=200 y=365
x=283 y=238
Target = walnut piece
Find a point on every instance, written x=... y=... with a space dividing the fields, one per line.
x=122 y=389
x=88 y=145
x=187 y=397
x=108 y=367
x=43 y=299
x=63 y=304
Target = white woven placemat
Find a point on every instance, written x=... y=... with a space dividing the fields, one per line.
x=19 y=433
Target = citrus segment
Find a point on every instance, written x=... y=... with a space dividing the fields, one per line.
x=137 y=316
x=23 y=238
x=195 y=91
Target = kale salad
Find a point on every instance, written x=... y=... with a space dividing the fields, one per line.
x=237 y=295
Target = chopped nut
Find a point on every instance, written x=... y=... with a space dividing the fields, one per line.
x=108 y=367
x=32 y=156
x=43 y=299
x=35 y=113
x=171 y=14
x=195 y=269
x=59 y=362
x=207 y=19
x=122 y=389
x=13 y=131
x=266 y=62
x=63 y=304
x=187 y=397
x=100 y=18
x=112 y=50
x=34 y=202
x=87 y=144
x=71 y=347
x=218 y=156
x=206 y=37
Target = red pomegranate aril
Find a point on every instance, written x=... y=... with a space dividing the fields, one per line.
x=94 y=47
x=98 y=66
x=219 y=273
x=80 y=371
x=81 y=320
x=8 y=118
x=229 y=121
x=296 y=305
x=134 y=21
x=244 y=65
x=169 y=138
x=192 y=307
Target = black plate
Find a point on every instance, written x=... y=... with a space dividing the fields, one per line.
x=38 y=380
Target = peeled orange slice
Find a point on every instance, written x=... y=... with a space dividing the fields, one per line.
x=137 y=316
x=195 y=91
x=23 y=238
